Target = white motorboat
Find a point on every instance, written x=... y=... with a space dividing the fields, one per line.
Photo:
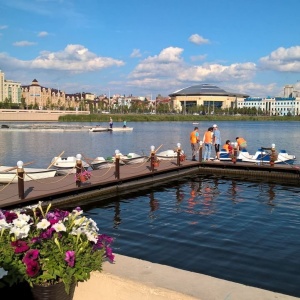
x=99 y=129
x=133 y=158
x=102 y=129
x=168 y=154
x=66 y=165
x=122 y=129
x=9 y=174
x=263 y=157
x=102 y=163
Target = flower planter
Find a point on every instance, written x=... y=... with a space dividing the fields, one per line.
x=82 y=178
x=156 y=164
x=52 y=292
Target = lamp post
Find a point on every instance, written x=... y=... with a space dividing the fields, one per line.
x=273 y=155
x=200 y=150
x=78 y=169
x=152 y=148
x=117 y=172
x=20 y=172
x=178 y=153
x=235 y=151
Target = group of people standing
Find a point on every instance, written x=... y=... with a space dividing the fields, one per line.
x=212 y=137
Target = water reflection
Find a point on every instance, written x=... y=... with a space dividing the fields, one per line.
x=272 y=194
x=117 y=217
x=154 y=205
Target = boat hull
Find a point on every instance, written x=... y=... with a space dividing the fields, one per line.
x=102 y=129
x=66 y=165
x=260 y=157
x=29 y=174
x=168 y=155
x=133 y=158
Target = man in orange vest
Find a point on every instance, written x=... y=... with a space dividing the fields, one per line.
x=207 y=141
x=194 y=139
x=242 y=144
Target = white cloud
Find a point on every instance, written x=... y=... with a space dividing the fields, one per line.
x=3 y=27
x=170 y=64
x=162 y=64
x=198 y=39
x=217 y=72
x=23 y=44
x=255 y=89
x=43 y=34
x=73 y=59
x=283 y=60
x=136 y=53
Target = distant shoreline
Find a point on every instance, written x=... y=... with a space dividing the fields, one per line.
x=170 y=118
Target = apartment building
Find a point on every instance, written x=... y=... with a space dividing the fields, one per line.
x=9 y=90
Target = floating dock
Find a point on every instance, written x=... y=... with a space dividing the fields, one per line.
x=62 y=190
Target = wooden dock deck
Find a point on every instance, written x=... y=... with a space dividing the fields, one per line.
x=62 y=190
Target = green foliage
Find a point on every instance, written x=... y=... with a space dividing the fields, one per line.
x=171 y=117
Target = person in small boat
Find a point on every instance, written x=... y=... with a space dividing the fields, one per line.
x=194 y=139
x=227 y=146
x=111 y=123
x=124 y=124
x=207 y=141
x=242 y=143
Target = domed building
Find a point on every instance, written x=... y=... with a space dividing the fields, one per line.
x=206 y=95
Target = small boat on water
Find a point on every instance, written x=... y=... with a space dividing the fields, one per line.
x=102 y=163
x=99 y=129
x=260 y=157
x=133 y=158
x=102 y=129
x=9 y=174
x=122 y=129
x=66 y=165
x=168 y=154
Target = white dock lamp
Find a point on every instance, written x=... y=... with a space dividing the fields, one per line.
x=152 y=148
x=78 y=156
x=117 y=152
x=20 y=164
x=178 y=146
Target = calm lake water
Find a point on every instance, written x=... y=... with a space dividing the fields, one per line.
x=243 y=231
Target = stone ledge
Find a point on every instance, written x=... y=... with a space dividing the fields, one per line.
x=135 y=279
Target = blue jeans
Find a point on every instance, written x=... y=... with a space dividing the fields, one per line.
x=207 y=151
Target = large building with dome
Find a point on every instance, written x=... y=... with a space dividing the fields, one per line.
x=206 y=95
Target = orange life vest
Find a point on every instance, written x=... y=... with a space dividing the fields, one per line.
x=241 y=142
x=227 y=147
x=208 y=137
x=193 y=137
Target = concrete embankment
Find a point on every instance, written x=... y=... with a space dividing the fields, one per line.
x=135 y=279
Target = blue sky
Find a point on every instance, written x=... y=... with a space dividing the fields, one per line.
x=153 y=47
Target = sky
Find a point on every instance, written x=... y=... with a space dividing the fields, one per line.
x=149 y=48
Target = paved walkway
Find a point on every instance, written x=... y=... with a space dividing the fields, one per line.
x=134 y=279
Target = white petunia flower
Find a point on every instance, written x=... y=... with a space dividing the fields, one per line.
x=44 y=224
x=59 y=227
x=4 y=224
x=20 y=232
